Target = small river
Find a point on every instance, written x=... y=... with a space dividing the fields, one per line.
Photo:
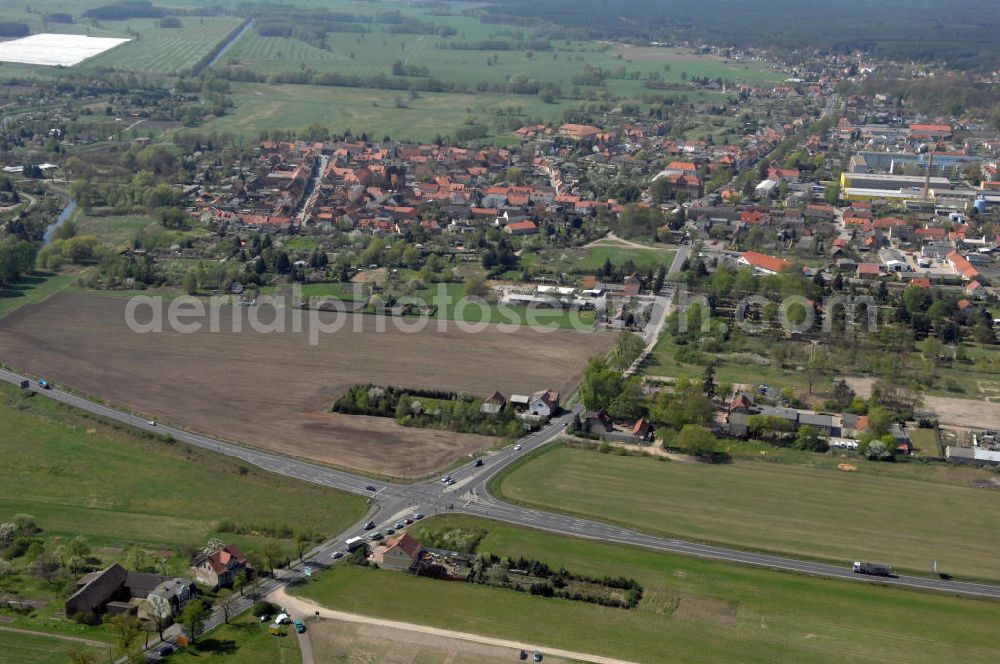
x=222 y=51
x=60 y=220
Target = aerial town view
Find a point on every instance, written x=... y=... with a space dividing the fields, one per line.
x=469 y=332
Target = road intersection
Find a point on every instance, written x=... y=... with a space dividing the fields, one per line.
x=470 y=495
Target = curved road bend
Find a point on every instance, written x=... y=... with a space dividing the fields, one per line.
x=469 y=495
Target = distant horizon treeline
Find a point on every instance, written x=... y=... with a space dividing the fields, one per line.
x=961 y=33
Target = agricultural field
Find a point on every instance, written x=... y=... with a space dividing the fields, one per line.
x=37 y=648
x=165 y=50
x=121 y=492
x=260 y=107
x=78 y=476
x=692 y=610
x=375 y=52
x=905 y=515
x=273 y=391
x=32 y=289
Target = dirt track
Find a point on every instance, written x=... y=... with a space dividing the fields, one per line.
x=273 y=390
x=303 y=607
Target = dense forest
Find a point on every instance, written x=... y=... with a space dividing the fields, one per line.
x=961 y=33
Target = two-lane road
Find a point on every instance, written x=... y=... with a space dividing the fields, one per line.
x=470 y=495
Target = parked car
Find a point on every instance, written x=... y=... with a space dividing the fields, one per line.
x=389 y=531
x=537 y=657
x=376 y=537
x=369 y=525
x=166 y=651
x=523 y=655
x=407 y=521
x=371 y=487
x=418 y=516
x=300 y=627
x=399 y=525
x=45 y=385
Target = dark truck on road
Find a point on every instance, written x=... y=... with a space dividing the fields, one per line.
x=874 y=569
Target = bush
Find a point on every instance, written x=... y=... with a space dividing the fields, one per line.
x=87 y=618
x=263 y=608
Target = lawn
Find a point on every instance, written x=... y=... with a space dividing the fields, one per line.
x=32 y=289
x=244 y=641
x=692 y=610
x=452 y=307
x=19 y=648
x=905 y=515
x=78 y=476
x=644 y=259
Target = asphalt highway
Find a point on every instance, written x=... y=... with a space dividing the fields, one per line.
x=391 y=502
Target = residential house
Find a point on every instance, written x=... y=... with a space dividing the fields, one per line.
x=868 y=271
x=493 y=404
x=168 y=598
x=762 y=263
x=597 y=423
x=544 y=404
x=521 y=228
x=399 y=554
x=642 y=429
x=219 y=568
x=578 y=132
x=962 y=266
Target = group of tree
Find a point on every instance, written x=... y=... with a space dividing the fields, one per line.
x=17 y=257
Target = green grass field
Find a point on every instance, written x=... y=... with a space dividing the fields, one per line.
x=244 y=641
x=77 y=476
x=662 y=362
x=32 y=289
x=692 y=610
x=644 y=259
x=264 y=107
x=452 y=307
x=114 y=230
x=374 y=53
x=905 y=515
x=18 y=648
x=163 y=50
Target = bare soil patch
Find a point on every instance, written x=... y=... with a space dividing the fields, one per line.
x=706 y=609
x=662 y=54
x=336 y=641
x=949 y=410
x=273 y=391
